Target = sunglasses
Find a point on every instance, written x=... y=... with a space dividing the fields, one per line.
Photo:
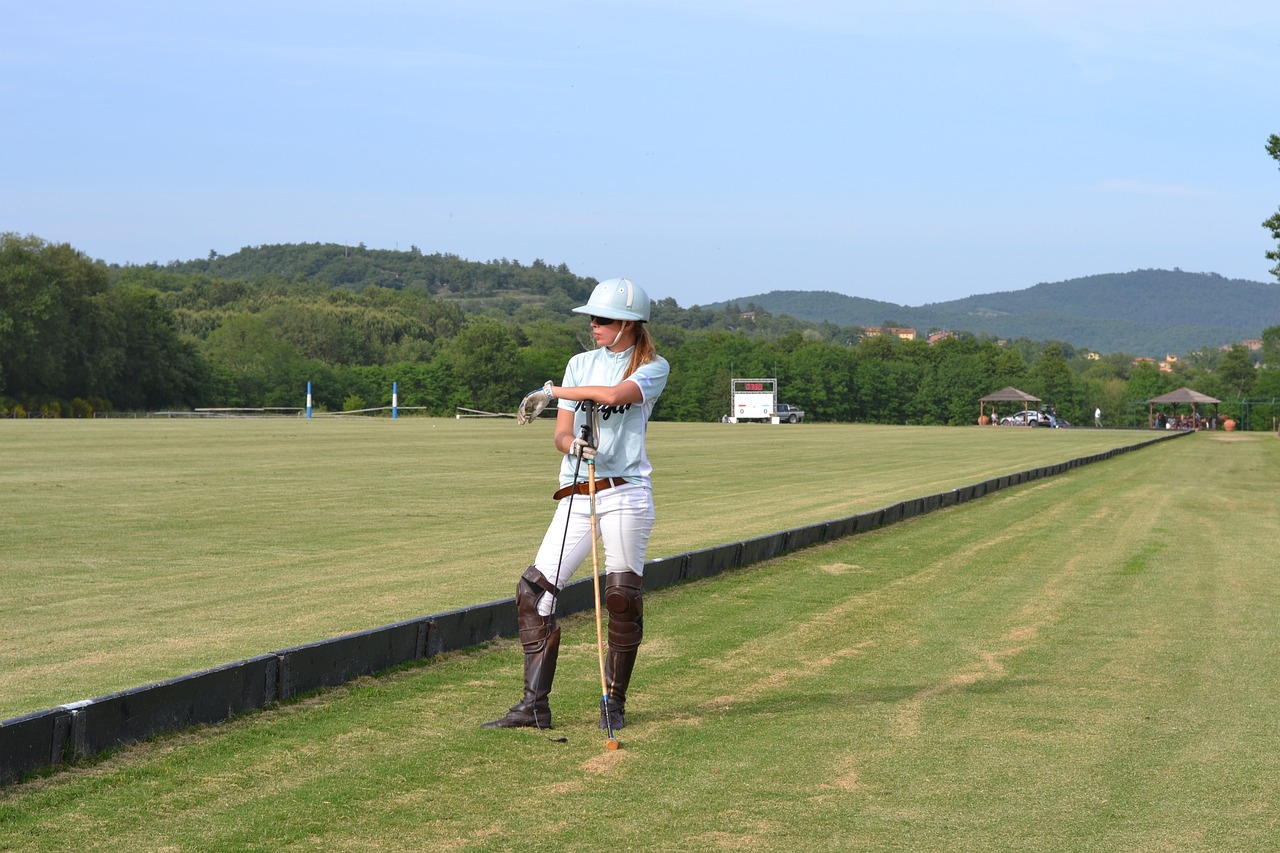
x=602 y=321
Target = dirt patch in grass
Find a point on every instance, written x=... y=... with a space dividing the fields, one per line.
x=606 y=762
x=774 y=679
x=844 y=569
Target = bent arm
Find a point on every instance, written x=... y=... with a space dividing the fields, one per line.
x=621 y=394
x=624 y=392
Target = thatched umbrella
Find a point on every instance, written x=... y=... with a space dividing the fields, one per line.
x=1007 y=394
x=1182 y=395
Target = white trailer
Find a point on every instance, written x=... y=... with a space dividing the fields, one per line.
x=753 y=400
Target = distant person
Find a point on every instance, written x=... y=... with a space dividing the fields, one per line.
x=1097 y=416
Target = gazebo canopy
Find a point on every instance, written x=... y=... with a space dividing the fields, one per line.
x=1009 y=394
x=1184 y=395
x=1004 y=395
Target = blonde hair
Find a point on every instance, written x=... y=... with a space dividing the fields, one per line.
x=644 y=351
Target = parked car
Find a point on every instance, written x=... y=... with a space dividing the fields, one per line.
x=789 y=413
x=1028 y=417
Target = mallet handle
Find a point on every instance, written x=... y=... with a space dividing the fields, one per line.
x=595 y=575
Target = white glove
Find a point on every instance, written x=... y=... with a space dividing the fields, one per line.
x=582 y=449
x=533 y=404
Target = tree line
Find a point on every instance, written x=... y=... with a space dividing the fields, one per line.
x=79 y=337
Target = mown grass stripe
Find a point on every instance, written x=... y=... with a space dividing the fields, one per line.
x=142 y=550
x=987 y=677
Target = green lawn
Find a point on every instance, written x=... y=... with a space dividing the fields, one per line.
x=1081 y=663
x=140 y=550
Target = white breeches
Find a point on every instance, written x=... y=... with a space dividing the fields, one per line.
x=624 y=516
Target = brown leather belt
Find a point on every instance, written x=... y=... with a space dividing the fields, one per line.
x=585 y=488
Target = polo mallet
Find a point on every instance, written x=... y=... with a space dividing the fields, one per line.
x=612 y=742
x=577 y=468
x=586 y=431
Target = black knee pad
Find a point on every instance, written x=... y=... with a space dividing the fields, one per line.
x=626 y=610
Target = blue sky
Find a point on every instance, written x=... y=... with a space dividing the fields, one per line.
x=911 y=151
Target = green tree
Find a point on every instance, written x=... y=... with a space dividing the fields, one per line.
x=968 y=369
x=142 y=363
x=252 y=366
x=66 y=333
x=1146 y=381
x=886 y=376
x=545 y=347
x=1109 y=393
x=1113 y=366
x=699 y=387
x=1268 y=385
x=819 y=381
x=47 y=330
x=1236 y=371
x=1271 y=347
x=1054 y=383
x=1273 y=224
x=486 y=365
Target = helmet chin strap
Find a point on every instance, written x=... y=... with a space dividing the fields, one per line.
x=622 y=327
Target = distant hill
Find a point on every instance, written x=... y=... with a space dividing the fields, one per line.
x=1146 y=312
x=357 y=267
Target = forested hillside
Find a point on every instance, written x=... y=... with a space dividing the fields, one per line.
x=1147 y=312
x=505 y=282
x=78 y=338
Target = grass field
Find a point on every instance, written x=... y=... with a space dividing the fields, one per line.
x=1083 y=663
x=140 y=550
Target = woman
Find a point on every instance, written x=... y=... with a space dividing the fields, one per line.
x=611 y=390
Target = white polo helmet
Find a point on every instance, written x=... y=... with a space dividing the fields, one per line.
x=618 y=299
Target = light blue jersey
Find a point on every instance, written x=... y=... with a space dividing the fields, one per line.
x=621 y=429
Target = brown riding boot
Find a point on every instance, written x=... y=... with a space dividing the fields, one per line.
x=626 y=629
x=540 y=637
